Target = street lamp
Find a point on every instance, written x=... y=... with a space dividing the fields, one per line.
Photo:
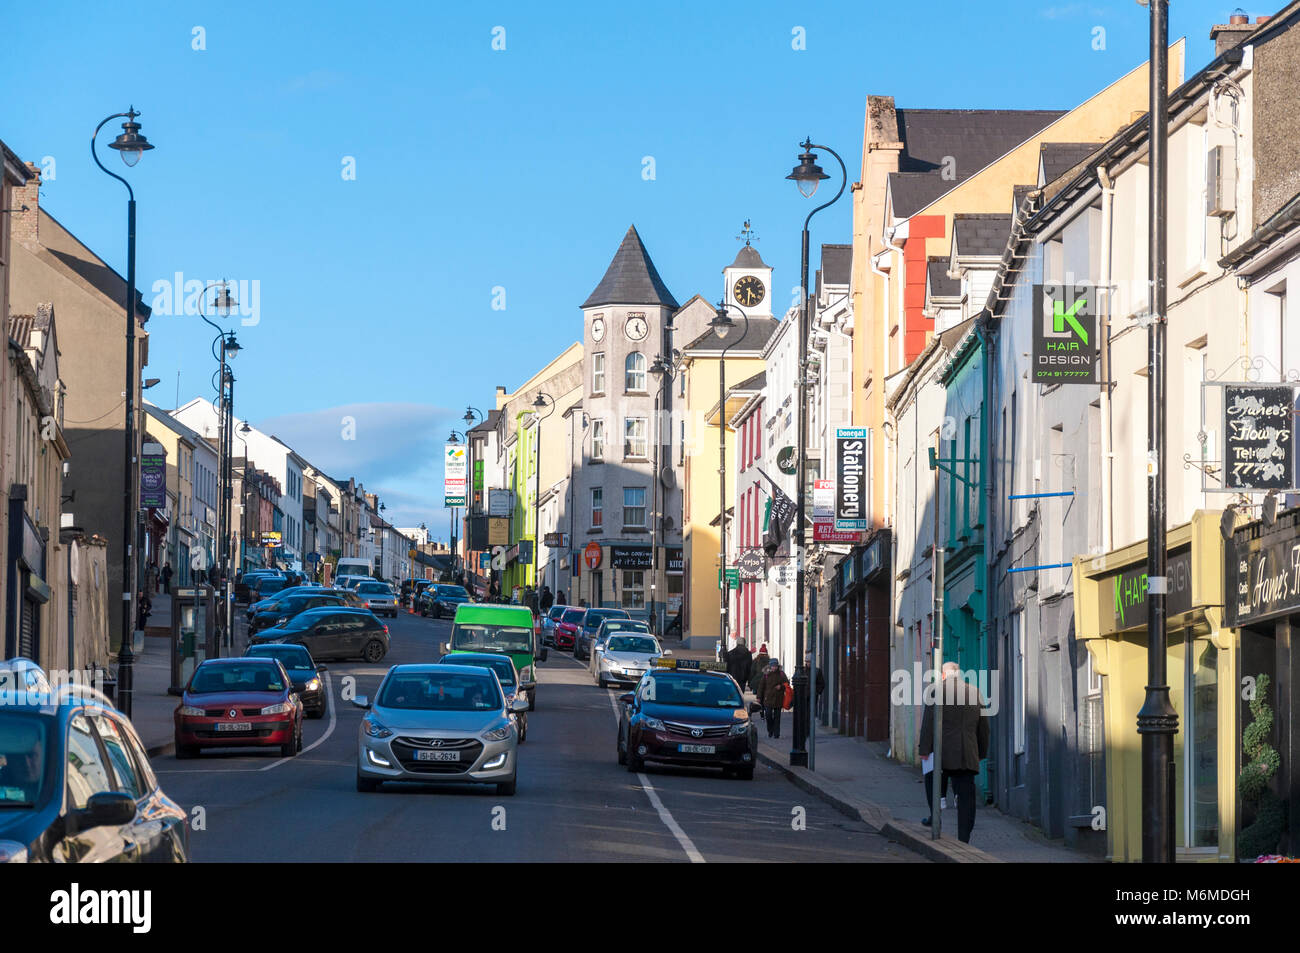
x=540 y=402
x=472 y=416
x=663 y=370
x=130 y=145
x=807 y=175
x=722 y=326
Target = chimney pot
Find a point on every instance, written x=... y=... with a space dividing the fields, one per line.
x=1238 y=18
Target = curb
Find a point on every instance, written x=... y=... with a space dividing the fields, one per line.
x=912 y=836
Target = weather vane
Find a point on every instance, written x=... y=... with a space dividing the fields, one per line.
x=747 y=233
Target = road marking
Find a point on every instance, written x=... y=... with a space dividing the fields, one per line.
x=329 y=704
x=665 y=815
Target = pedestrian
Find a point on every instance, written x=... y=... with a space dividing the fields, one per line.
x=548 y=599
x=559 y=598
x=142 y=610
x=771 y=692
x=965 y=741
x=151 y=578
x=757 y=668
x=167 y=578
x=739 y=661
x=531 y=600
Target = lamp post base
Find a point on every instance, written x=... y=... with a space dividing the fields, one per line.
x=799 y=743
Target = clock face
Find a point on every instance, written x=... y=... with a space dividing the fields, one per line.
x=598 y=329
x=748 y=291
x=637 y=328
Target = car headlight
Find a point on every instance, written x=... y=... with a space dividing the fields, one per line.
x=279 y=709
x=12 y=852
x=739 y=728
x=191 y=711
x=281 y=620
x=373 y=728
x=498 y=734
x=313 y=685
x=654 y=724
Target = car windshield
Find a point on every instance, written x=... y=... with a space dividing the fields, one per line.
x=574 y=616
x=633 y=643
x=500 y=664
x=691 y=691
x=375 y=589
x=441 y=691
x=290 y=656
x=269 y=585
x=236 y=677
x=491 y=638
x=555 y=612
x=24 y=759
x=594 y=619
x=625 y=625
x=452 y=592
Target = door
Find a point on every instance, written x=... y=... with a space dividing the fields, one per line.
x=87 y=775
x=322 y=639
x=146 y=832
x=357 y=631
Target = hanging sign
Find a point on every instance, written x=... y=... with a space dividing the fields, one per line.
x=1065 y=334
x=453 y=474
x=153 y=475
x=851 y=478
x=1258 y=436
x=750 y=564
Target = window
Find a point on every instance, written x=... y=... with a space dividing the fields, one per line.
x=128 y=782
x=598 y=373
x=1201 y=743
x=597 y=507
x=634 y=437
x=633 y=594
x=598 y=440
x=633 y=506
x=1018 y=680
x=87 y=774
x=634 y=372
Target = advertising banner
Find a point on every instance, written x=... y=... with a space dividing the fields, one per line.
x=453 y=466
x=153 y=475
x=1258 y=436
x=629 y=557
x=1065 y=334
x=851 y=494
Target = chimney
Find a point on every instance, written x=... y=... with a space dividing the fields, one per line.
x=1226 y=36
x=24 y=224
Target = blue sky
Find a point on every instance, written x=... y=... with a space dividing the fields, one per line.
x=477 y=169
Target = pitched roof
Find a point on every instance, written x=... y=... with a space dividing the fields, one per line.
x=1018 y=193
x=981 y=235
x=837 y=262
x=941 y=286
x=757 y=382
x=488 y=423
x=631 y=278
x=1058 y=158
x=20 y=328
x=748 y=257
x=760 y=330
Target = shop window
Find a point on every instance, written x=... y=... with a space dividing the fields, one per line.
x=1201 y=743
x=633 y=594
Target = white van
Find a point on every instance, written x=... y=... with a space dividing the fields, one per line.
x=353 y=566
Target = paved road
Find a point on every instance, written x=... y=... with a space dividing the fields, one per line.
x=574 y=802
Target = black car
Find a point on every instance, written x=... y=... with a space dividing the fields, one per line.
x=336 y=633
x=304 y=673
x=441 y=600
x=687 y=717
x=590 y=626
x=76 y=786
x=244 y=582
x=264 y=586
x=281 y=610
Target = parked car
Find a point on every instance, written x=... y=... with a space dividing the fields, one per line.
x=77 y=787
x=567 y=629
x=626 y=657
x=608 y=628
x=549 y=620
x=264 y=586
x=442 y=724
x=441 y=599
x=244 y=583
x=238 y=702
x=351 y=582
x=303 y=671
x=506 y=630
x=353 y=566
x=378 y=597
x=506 y=674
x=590 y=625
x=332 y=633
x=276 y=611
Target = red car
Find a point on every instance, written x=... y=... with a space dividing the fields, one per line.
x=236 y=703
x=568 y=627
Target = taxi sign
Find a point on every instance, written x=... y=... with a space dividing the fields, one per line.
x=685 y=664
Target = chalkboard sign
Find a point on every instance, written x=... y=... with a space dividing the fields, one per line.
x=1258 y=437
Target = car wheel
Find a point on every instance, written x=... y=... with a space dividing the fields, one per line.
x=299 y=733
x=317 y=712
x=622 y=753
x=523 y=728
x=366 y=785
x=634 y=764
x=374 y=651
x=532 y=699
x=746 y=773
x=600 y=680
x=184 y=752
x=290 y=747
x=507 y=788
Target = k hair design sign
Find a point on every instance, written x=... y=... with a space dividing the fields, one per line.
x=1258 y=436
x=851 y=478
x=1065 y=334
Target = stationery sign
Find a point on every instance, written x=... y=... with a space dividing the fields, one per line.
x=851 y=478
x=453 y=475
x=1065 y=334
x=153 y=475
x=1258 y=436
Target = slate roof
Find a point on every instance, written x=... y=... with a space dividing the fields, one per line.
x=488 y=423
x=756 y=382
x=1018 y=194
x=631 y=278
x=972 y=138
x=981 y=235
x=941 y=286
x=1058 y=158
x=760 y=330
x=837 y=262
x=748 y=257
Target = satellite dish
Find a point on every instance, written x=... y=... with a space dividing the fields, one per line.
x=667 y=477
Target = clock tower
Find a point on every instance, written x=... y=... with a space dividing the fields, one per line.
x=748 y=281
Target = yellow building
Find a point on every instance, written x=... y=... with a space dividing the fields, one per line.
x=701 y=605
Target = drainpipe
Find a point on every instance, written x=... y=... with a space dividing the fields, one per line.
x=1107 y=456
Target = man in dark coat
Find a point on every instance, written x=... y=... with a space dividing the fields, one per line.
x=771 y=693
x=756 y=670
x=965 y=741
x=548 y=599
x=738 y=663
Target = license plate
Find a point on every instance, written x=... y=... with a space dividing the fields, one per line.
x=698 y=749
x=437 y=756
x=234 y=726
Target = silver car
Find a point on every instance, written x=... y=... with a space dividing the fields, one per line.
x=627 y=656
x=378 y=597
x=438 y=724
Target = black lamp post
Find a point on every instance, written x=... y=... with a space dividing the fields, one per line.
x=663 y=370
x=130 y=145
x=722 y=326
x=543 y=400
x=807 y=175
x=472 y=415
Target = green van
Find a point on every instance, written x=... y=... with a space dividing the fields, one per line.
x=507 y=630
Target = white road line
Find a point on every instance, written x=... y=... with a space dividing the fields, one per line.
x=329 y=704
x=665 y=815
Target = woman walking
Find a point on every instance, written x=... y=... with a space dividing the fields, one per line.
x=771 y=693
